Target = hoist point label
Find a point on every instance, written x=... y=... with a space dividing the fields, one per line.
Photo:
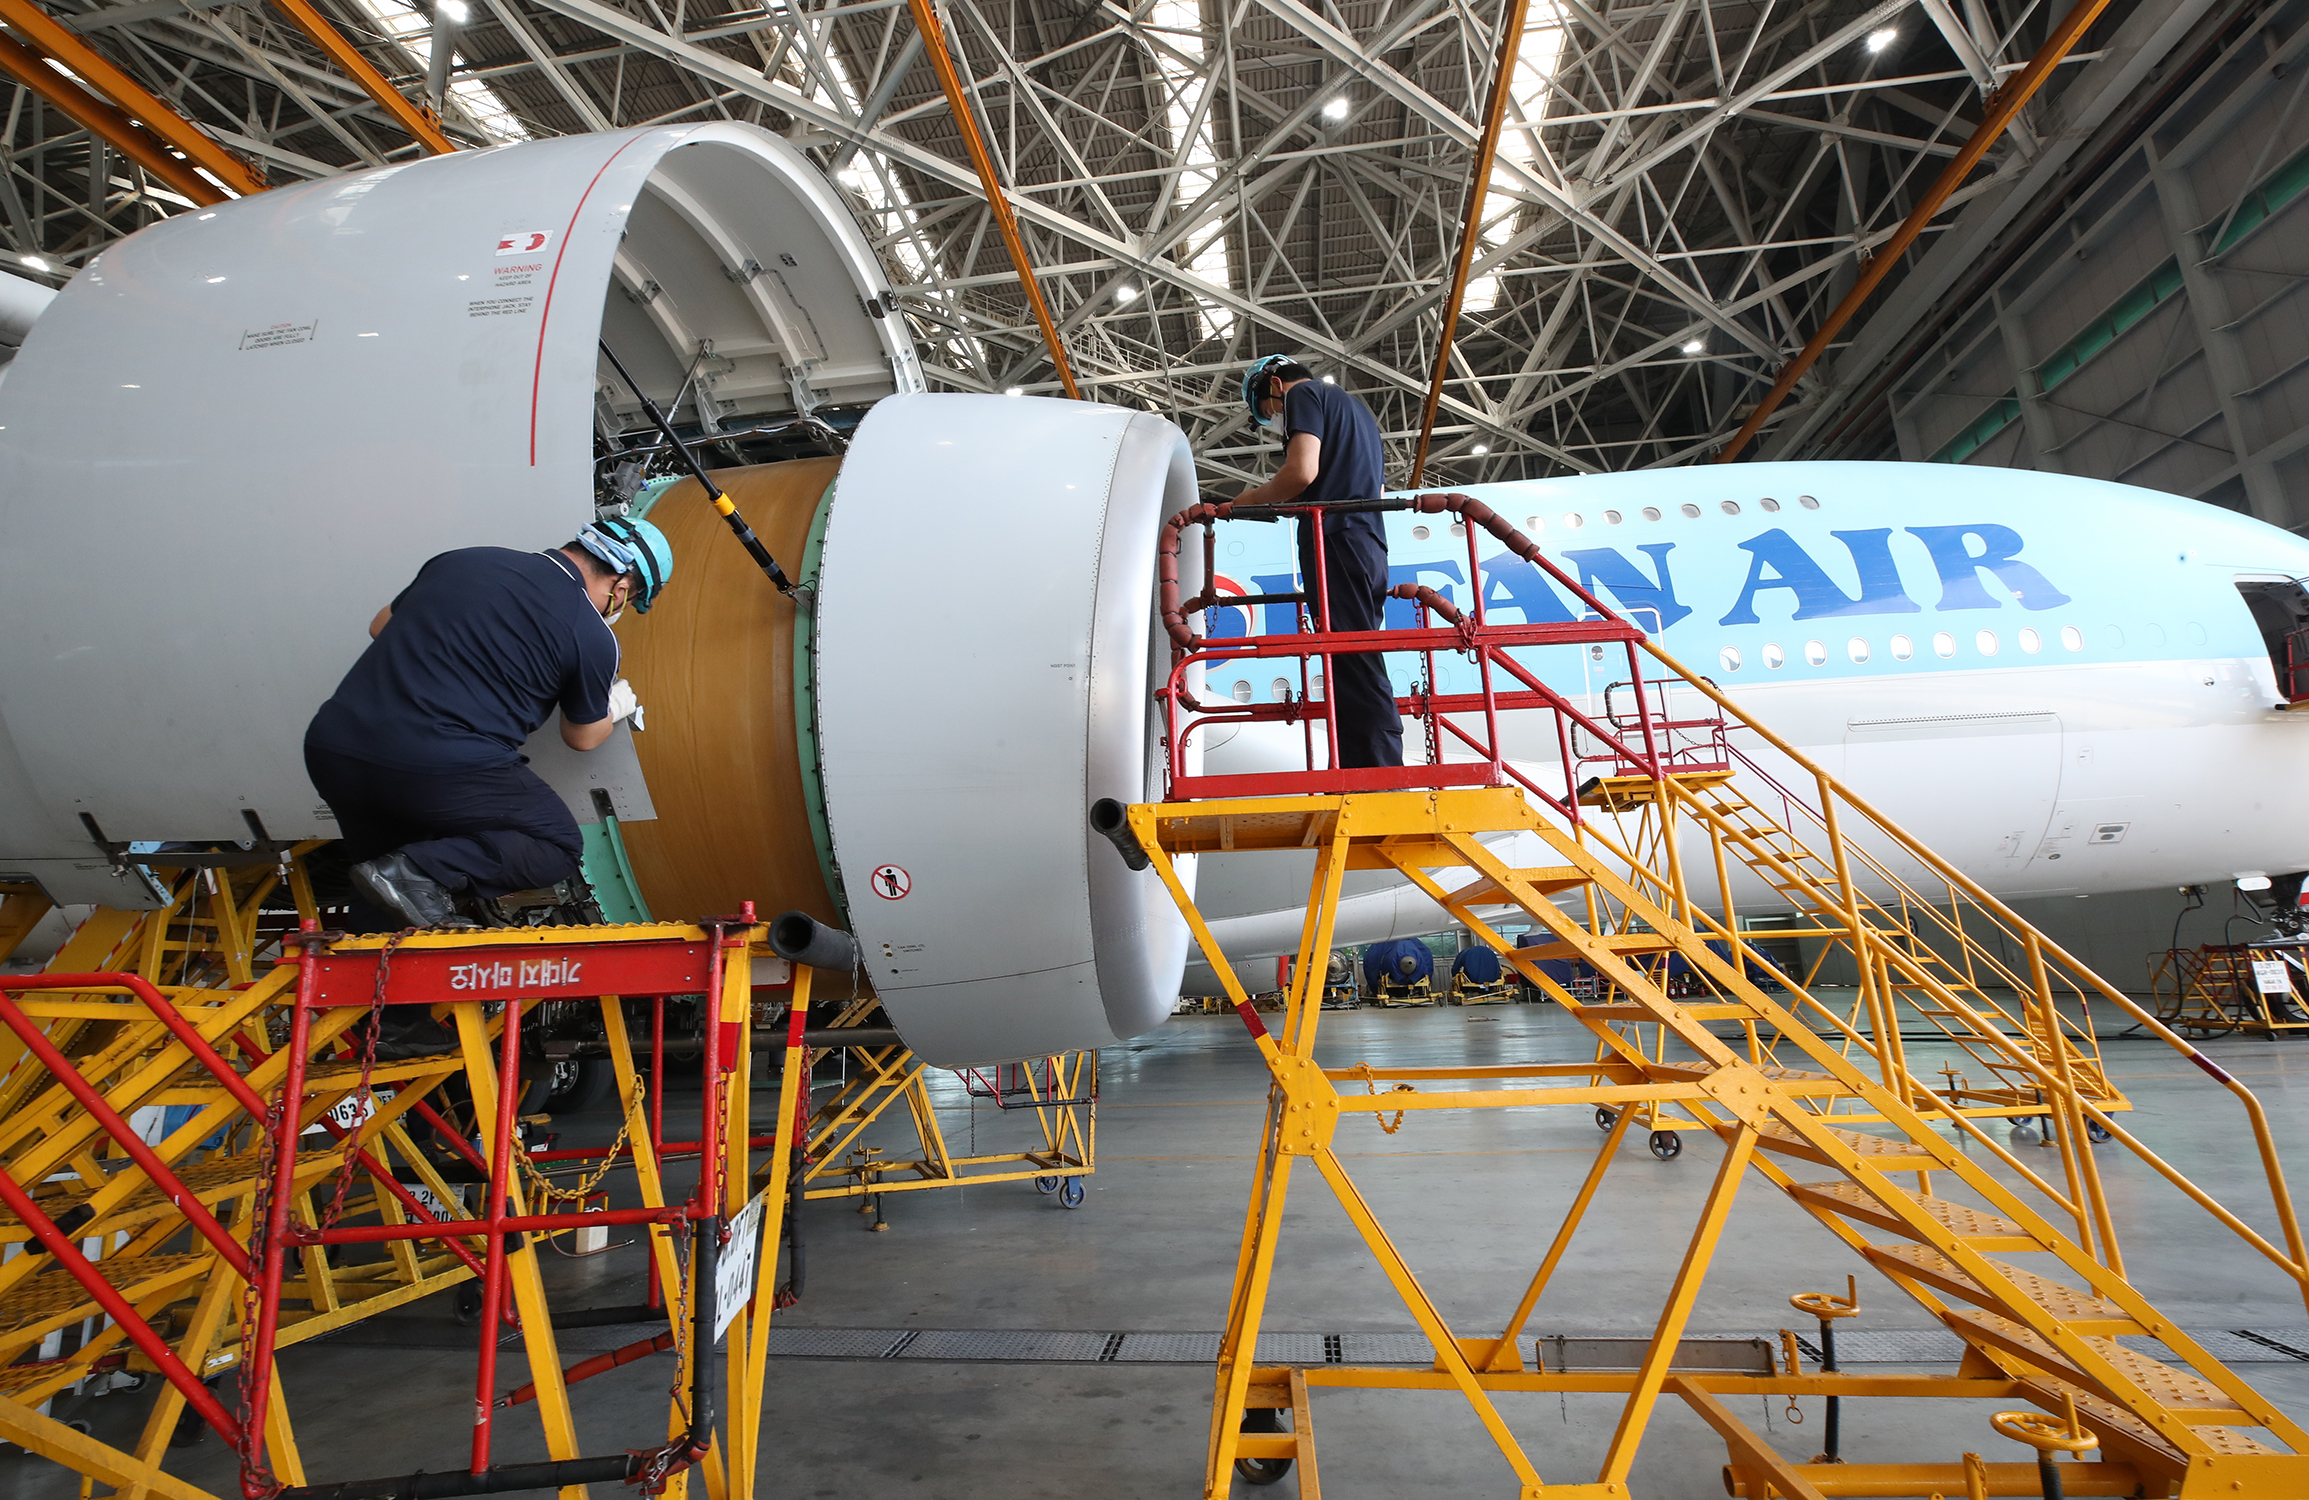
x=891 y=882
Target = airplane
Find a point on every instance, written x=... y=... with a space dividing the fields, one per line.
x=234 y=433
x=2063 y=686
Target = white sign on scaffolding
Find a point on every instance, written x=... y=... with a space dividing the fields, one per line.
x=2269 y=977
x=735 y=1273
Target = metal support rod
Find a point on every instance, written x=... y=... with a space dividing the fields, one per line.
x=102 y=120
x=1478 y=186
x=257 y=1366
x=42 y=32
x=907 y=56
x=927 y=26
x=722 y=503
x=116 y=1307
x=495 y=1277
x=156 y=1171
x=423 y=126
x=2002 y=107
x=438 y=56
x=1831 y=1428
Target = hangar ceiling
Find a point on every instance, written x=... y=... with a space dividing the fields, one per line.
x=1683 y=189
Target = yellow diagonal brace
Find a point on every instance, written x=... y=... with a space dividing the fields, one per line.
x=423 y=125
x=37 y=28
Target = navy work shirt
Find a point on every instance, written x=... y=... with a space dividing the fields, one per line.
x=1347 y=467
x=481 y=647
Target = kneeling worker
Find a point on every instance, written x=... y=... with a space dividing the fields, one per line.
x=1333 y=453
x=419 y=753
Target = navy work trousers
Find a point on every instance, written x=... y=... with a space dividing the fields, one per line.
x=1370 y=729
x=491 y=831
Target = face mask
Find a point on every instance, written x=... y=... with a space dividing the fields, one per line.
x=614 y=616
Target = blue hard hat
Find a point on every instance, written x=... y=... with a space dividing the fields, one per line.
x=634 y=547
x=1255 y=379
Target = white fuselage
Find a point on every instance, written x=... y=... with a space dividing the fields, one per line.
x=2091 y=709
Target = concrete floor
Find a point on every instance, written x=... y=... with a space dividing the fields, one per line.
x=1472 y=1200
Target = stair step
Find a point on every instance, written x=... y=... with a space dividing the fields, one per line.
x=1981 y=1230
x=1880 y=1151
x=2196 y=1401
x=1632 y=942
x=1546 y=880
x=2079 y=1309
x=2111 y=1420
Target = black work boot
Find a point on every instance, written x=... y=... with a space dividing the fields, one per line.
x=393 y=883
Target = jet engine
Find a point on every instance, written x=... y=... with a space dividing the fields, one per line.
x=239 y=432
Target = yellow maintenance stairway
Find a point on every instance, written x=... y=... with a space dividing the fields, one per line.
x=2032 y=1281
x=1668 y=823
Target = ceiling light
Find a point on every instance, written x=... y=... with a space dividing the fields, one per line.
x=456 y=11
x=213 y=280
x=1015 y=391
x=1879 y=40
x=1335 y=110
x=1126 y=294
x=1695 y=346
x=1330 y=380
x=34 y=261
x=1480 y=449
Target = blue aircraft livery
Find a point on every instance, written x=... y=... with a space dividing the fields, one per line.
x=1781 y=571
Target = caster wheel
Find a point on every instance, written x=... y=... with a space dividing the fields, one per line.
x=2096 y=1132
x=1047 y=1185
x=2024 y=1135
x=1667 y=1145
x=1262 y=1471
x=1071 y=1192
x=469 y=1303
x=1605 y=1119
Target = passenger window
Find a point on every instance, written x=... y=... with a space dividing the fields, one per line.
x=1901 y=649
x=2281 y=613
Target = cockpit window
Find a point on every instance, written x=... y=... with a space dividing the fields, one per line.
x=2281 y=611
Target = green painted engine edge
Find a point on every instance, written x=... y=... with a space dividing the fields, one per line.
x=806 y=703
x=610 y=873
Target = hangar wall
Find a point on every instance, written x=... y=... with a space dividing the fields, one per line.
x=2155 y=332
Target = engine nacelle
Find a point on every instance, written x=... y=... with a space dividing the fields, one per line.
x=240 y=431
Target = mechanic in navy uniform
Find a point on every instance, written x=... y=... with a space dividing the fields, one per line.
x=419 y=753
x=1332 y=453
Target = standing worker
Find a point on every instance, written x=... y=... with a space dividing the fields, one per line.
x=419 y=753
x=1332 y=453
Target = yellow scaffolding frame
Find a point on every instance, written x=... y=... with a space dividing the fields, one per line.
x=1063 y=1102
x=205 y=954
x=2162 y=1428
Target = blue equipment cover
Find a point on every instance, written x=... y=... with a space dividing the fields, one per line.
x=1382 y=962
x=1479 y=965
